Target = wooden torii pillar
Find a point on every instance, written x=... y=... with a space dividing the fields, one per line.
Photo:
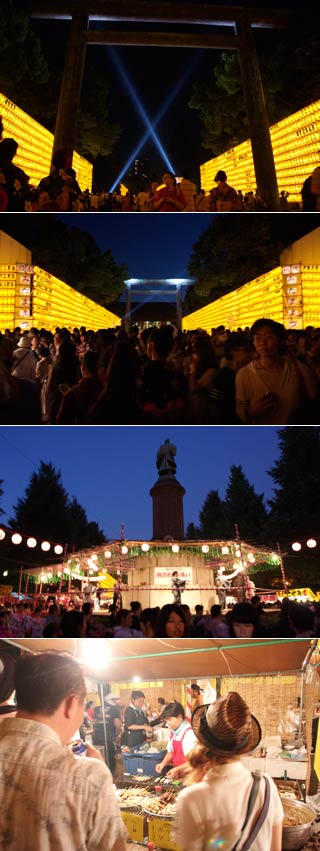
x=70 y=91
x=149 y=10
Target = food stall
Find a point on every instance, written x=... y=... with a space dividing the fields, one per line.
x=277 y=678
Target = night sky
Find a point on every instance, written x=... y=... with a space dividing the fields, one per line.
x=152 y=246
x=111 y=470
x=154 y=73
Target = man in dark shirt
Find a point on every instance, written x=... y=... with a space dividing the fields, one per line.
x=222 y=394
x=136 y=725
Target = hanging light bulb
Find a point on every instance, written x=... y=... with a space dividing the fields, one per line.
x=205 y=548
x=175 y=548
x=225 y=551
x=311 y=543
x=31 y=542
x=45 y=546
x=2 y=534
x=145 y=548
x=94 y=557
x=58 y=549
x=238 y=553
x=16 y=538
x=296 y=546
x=124 y=550
x=107 y=554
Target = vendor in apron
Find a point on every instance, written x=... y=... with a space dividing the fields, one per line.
x=182 y=740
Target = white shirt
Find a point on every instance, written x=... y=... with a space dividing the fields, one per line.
x=189 y=739
x=50 y=799
x=216 y=808
x=253 y=381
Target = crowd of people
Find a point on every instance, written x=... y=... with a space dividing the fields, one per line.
x=46 y=617
x=52 y=799
x=60 y=191
x=265 y=375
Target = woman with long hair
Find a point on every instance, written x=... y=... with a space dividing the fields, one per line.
x=225 y=806
x=171 y=622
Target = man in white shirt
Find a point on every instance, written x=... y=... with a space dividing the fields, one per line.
x=51 y=799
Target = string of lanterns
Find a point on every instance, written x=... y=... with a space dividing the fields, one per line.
x=17 y=538
x=311 y=544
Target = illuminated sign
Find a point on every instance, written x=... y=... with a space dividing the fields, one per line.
x=35 y=145
x=295 y=144
x=270 y=296
x=47 y=302
x=163 y=575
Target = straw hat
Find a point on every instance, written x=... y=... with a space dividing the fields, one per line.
x=226 y=726
x=7 y=669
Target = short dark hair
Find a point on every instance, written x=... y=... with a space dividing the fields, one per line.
x=90 y=361
x=221 y=175
x=215 y=610
x=276 y=327
x=136 y=694
x=173 y=710
x=161 y=700
x=44 y=680
x=72 y=623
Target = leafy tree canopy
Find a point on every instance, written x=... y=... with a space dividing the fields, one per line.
x=241 y=506
x=47 y=511
x=290 y=68
x=229 y=253
x=21 y=56
x=31 y=74
x=295 y=508
x=81 y=263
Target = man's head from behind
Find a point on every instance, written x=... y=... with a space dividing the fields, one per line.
x=50 y=688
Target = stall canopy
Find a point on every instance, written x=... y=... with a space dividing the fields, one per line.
x=120 y=660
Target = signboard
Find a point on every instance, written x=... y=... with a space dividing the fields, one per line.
x=5 y=589
x=163 y=575
x=160 y=832
x=300 y=593
x=135 y=825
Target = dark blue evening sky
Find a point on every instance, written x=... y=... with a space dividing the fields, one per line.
x=111 y=470
x=151 y=246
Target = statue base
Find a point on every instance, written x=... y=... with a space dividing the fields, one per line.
x=167 y=500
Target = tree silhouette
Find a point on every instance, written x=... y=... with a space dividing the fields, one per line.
x=244 y=507
x=295 y=508
x=47 y=512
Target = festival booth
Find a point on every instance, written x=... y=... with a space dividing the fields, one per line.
x=277 y=678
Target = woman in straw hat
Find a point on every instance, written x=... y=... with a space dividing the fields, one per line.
x=227 y=807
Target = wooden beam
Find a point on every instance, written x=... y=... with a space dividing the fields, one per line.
x=156 y=39
x=160 y=12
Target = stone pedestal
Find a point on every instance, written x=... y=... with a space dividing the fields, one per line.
x=167 y=499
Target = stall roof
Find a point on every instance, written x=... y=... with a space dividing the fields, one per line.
x=163 y=659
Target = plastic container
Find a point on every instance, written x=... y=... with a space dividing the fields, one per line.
x=135 y=761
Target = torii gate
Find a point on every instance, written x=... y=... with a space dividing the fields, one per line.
x=164 y=286
x=239 y=22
